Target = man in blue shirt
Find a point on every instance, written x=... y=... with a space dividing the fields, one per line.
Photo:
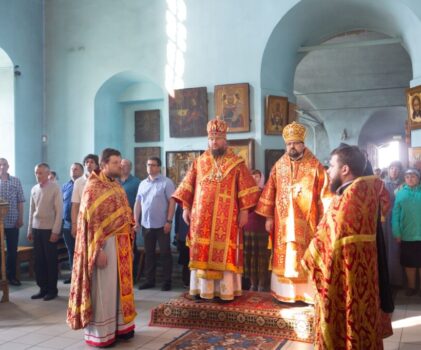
x=11 y=191
x=76 y=171
x=157 y=207
x=129 y=182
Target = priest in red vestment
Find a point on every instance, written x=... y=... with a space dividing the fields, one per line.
x=342 y=258
x=292 y=202
x=101 y=296
x=216 y=195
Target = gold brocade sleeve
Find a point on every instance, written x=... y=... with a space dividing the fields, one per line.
x=248 y=192
x=185 y=191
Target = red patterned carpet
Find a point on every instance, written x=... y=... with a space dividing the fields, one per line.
x=254 y=313
x=205 y=340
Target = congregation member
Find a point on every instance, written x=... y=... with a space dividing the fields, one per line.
x=90 y=162
x=181 y=229
x=53 y=176
x=11 y=191
x=216 y=194
x=256 y=252
x=393 y=183
x=101 y=296
x=406 y=227
x=76 y=171
x=157 y=207
x=44 y=227
x=341 y=259
x=292 y=202
x=130 y=184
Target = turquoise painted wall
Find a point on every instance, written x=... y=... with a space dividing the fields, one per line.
x=21 y=37
x=216 y=42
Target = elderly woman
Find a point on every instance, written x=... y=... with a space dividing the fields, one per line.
x=393 y=182
x=406 y=226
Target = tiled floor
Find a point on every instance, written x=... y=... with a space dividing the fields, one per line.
x=37 y=324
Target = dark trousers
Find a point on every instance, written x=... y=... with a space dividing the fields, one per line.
x=151 y=236
x=46 y=269
x=70 y=244
x=12 y=240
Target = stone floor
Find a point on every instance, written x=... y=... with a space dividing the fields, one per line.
x=38 y=324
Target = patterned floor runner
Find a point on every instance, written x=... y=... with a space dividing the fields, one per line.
x=254 y=313
x=217 y=340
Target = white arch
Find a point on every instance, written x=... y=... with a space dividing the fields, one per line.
x=7 y=109
x=116 y=92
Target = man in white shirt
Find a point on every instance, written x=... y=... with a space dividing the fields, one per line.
x=91 y=163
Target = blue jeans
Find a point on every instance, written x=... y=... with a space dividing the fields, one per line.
x=12 y=240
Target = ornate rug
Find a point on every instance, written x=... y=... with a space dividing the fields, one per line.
x=254 y=313
x=217 y=340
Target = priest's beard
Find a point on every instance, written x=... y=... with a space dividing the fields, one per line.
x=294 y=154
x=335 y=183
x=218 y=152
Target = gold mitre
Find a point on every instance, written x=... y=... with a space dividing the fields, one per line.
x=294 y=132
x=217 y=128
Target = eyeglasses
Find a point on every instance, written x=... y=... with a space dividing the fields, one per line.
x=149 y=164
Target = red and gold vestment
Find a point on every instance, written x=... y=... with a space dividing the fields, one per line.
x=342 y=262
x=215 y=191
x=293 y=197
x=104 y=212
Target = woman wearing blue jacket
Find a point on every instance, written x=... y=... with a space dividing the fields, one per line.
x=406 y=226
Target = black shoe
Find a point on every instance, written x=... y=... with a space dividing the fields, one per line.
x=197 y=299
x=14 y=282
x=146 y=285
x=222 y=301
x=166 y=287
x=49 y=296
x=39 y=295
x=67 y=281
x=126 y=336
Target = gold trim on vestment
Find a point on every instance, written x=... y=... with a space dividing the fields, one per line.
x=98 y=234
x=210 y=274
x=248 y=191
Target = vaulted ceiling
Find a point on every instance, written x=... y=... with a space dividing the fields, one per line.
x=352 y=78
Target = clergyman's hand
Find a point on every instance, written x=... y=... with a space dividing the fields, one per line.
x=187 y=215
x=269 y=225
x=243 y=218
x=101 y=259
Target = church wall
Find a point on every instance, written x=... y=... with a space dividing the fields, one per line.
x=218 y=42
x=90 y=41
x=21 y=37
